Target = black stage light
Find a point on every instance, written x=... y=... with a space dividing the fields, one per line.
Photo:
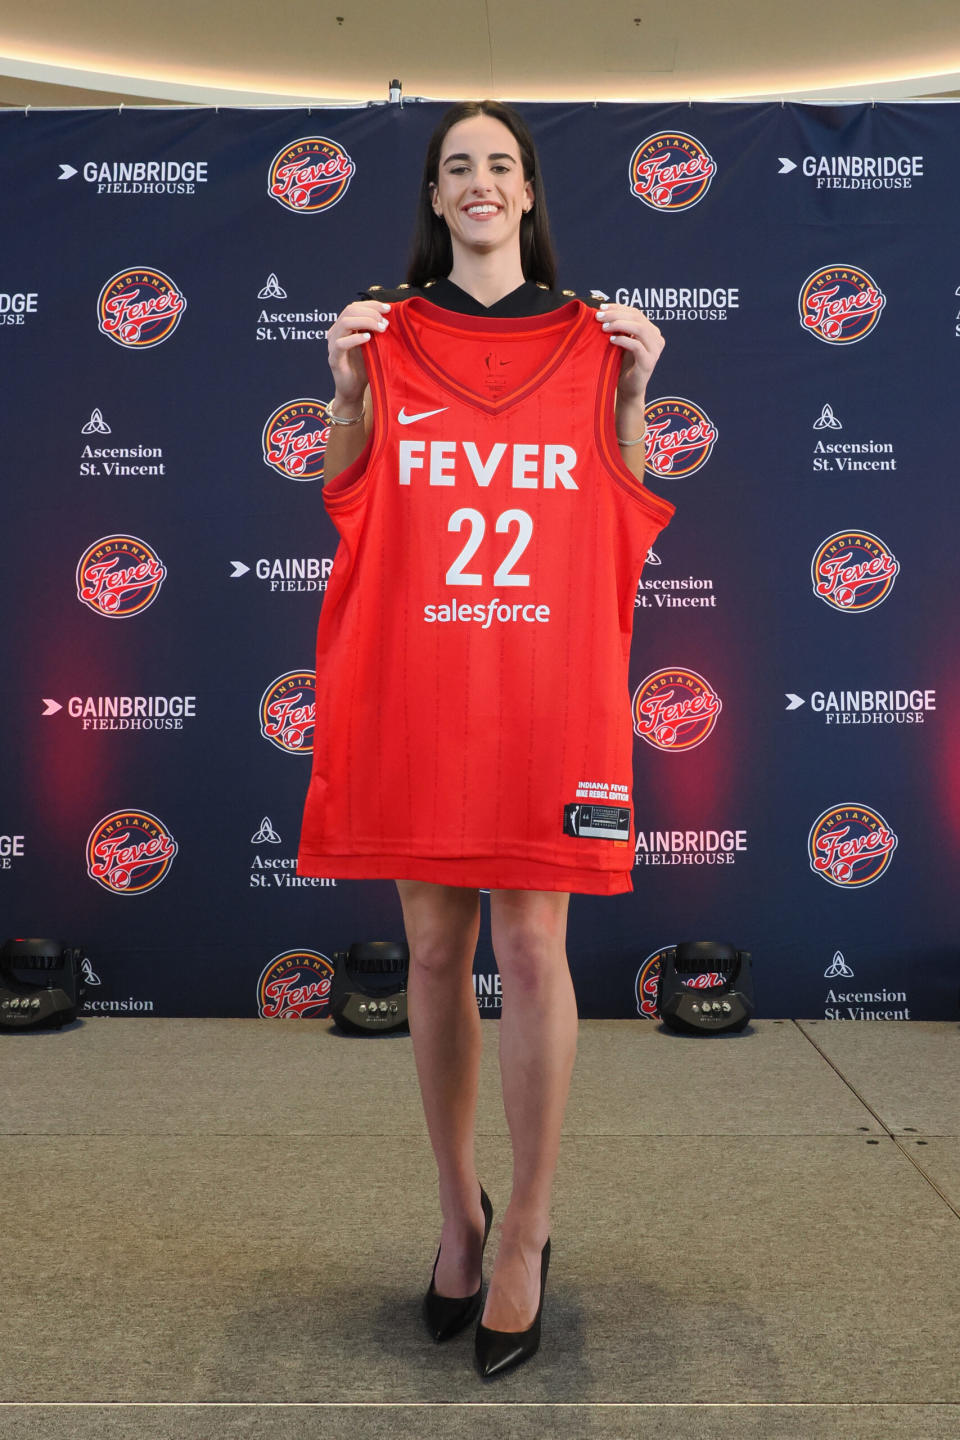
x=41 y=983
x=368 y=993
x=705 y=987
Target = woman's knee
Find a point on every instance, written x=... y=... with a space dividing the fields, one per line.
x=529 y=938
x=442 y=923
x=442 y=954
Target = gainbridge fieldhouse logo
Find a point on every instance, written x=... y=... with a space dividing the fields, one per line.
x=840 y=304
x=853 y=571
x=118 y=576
x=295 y=986
x=288 y=711
x=295 y=439
x=679 y=437
x=140 y=307
x=309 y=175
x=850 y=846
x=670 y=171
x=129 y=852
x=675 y=709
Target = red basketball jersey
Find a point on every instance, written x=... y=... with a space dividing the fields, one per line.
x=473 y=722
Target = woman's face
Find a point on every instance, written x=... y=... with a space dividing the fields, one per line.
x=480 y=190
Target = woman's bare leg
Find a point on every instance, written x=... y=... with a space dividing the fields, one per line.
x=538 y=1041
x=442 y=923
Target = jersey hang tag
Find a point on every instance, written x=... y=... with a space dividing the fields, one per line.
x=597 y=822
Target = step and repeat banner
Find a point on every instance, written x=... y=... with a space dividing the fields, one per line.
x=166 y=283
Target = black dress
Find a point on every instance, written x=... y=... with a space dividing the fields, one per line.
x=528 y=298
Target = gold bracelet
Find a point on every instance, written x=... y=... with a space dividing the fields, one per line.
x=338 y=419
x=632 y=442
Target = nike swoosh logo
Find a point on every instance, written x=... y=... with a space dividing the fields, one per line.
x=404 y=419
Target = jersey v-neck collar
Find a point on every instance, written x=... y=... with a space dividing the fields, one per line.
x=520 y=302
x=568 y=321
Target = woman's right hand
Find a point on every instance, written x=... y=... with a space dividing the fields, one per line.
x=345 y=341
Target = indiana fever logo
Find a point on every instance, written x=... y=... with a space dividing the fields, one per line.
x=853 y=571
x=295 y=986
x=119 y=576
x=310 y=175
x=679 y=437
x=670 y=171
x=295 y=439
x=139 y=308
x=840 y=304
x=129 y=852
x=648 y=984
x=287 y=712
x=675 y=709
x=850 y=846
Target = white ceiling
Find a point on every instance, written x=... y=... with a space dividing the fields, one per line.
x=239 y=52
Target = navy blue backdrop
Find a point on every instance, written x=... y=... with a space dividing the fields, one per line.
x=166 y=284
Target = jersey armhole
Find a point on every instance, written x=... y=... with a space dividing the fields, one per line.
x=350 y=485
x=656 y=506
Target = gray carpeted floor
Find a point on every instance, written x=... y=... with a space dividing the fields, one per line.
x=224 y=1228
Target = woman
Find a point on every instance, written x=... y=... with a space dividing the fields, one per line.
x=482 y=249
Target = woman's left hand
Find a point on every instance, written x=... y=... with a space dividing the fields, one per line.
x=639 y=337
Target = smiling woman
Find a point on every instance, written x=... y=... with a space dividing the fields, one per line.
x=481 y=192
x=481 y=195
x=473 y=470
x=488 y=146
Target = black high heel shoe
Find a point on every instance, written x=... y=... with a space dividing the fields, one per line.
x=499 y=1350
x=447 y=1315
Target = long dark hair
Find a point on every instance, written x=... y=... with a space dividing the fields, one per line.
x=431 y=254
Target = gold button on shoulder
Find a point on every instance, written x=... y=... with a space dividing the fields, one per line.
x=429 y=283
x=403 y=287
x=371 y=288
x=541 y=286
x=566 y=292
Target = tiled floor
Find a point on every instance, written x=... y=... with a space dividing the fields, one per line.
x=224 y=1227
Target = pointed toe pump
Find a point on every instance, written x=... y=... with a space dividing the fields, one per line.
x=447 y=1315
x=500 y=1350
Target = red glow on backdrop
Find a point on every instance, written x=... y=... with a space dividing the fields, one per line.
x=686 y=758
x=71 y=771
x=688 y=786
